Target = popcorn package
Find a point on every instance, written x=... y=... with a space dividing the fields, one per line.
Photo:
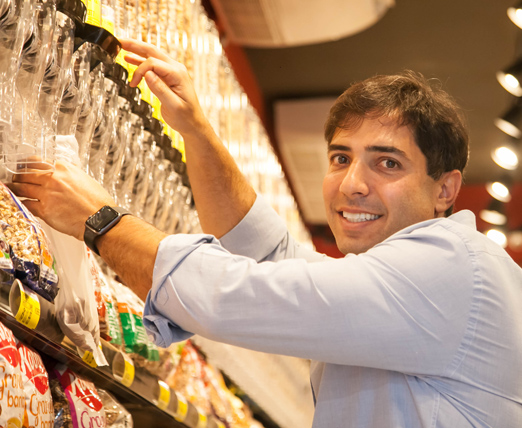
x=12 y=399
x=39 y=411
x=85 y=405
x=33 y=262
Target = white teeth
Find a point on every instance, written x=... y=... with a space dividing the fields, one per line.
x=358 y=217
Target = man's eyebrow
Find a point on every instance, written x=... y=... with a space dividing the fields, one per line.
x=372 y=148
x=386 y=149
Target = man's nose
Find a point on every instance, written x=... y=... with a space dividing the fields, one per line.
x=355 y=181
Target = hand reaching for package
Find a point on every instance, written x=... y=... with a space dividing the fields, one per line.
x=64 y=198
x=171 y=83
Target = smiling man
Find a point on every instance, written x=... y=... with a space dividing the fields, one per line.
x=418 y=326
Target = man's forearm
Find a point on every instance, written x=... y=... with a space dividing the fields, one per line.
x=130 y=250
x=223 y=196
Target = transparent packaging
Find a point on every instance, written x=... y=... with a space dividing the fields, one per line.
x=90 y=114
x=54 y=81
x=156 y=176
x=104 y=131
x=131 y=157
x=118 y=143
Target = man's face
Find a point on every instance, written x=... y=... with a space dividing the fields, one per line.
x=376 y=184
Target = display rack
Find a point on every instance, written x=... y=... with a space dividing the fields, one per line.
x=143 y=395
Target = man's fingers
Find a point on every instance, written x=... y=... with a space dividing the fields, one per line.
x=168 y=73
x=25 y=190
x=144 y=50
x=32 y=176
x=33 y=206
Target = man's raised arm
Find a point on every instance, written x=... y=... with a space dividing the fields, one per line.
x=222 y=194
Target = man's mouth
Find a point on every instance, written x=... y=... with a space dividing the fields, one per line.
x=359 y=217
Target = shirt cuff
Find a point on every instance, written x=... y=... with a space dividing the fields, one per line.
x=171 y=252
x=257 y=234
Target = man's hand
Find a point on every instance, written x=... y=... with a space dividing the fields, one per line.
x=171 y=83
x=64 y=198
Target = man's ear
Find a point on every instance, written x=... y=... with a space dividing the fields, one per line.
x=448 y=190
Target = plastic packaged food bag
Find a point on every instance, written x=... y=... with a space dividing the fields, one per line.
x=62 y=410
x=6 y=264
x=116 y=415
x=31 y=255
x=110 y=327
x=76 y=311
x=134 y=335
x=12 y=399
x=86 y=407
x=39 y=411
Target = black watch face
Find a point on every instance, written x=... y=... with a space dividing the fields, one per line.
x=102 y=218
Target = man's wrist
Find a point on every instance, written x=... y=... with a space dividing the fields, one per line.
x=100 y=223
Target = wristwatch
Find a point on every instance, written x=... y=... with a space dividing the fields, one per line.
x=100 y=223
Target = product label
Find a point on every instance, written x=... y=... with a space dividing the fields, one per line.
x=107 y=18
x=128 y=373
x=28 y=312
x=12 y=398
x=39 y=410
x=181 y=412
x=164 y=395
x=94 y=12
x=202 y=421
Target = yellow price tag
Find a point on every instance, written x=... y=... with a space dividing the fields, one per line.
x=164 y=395
x=107 y=18
x=88 y=358
x=181 y=412
x=28 y=312
x=202 y=421
x=219 y=424
x=128 y=373
x=94 y=12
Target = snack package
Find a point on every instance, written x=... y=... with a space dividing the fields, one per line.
x=134 y=335
x=12 y=399
x=219 y=403
x=188 y=379
x=33 y=262
x=39 y=411
x=85 y=405
x=75 y=304
x=110 y=327
x=6 y=264
x=62 y=410
x=116 y=415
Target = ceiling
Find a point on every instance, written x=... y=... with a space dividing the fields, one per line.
x=463 y=43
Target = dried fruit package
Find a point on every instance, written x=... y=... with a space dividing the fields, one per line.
x=86 y=407
x=188 y=379
x=39 y=411
x=110 y=327
x=6 y=264
x=12 y=399
x=62 y=410
x=116 y=415
x=32 y=259
x=134 y=335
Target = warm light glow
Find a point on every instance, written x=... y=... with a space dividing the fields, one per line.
x=498 y=237
x=511 y=80
x=499 y=191
x=505 y=157
x=510 y=83
x=515 y=14
x=508 y=128
x=493 y=217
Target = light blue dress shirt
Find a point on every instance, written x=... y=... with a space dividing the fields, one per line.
x=423 y=330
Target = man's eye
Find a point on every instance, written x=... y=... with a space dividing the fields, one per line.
x=340 y=159
x=390 y=163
